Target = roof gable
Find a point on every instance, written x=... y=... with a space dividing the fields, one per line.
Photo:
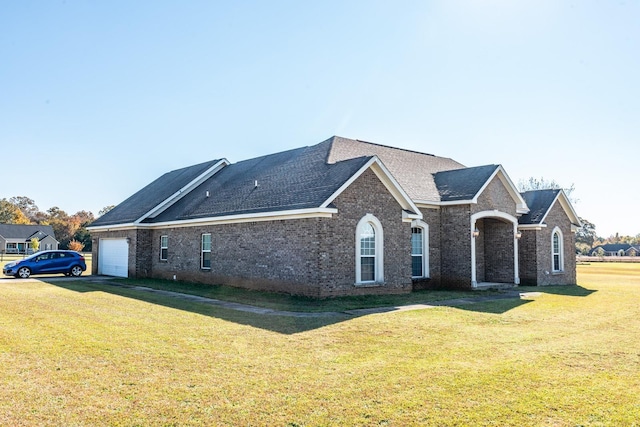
x=290 y=180
x=159 y=194
x=273 y=185
x=390 y=183
x=463 y=184
x=466 y=185
x=540 y=203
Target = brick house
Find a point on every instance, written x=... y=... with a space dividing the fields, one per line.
x=343 y=217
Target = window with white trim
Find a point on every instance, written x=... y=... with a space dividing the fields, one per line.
x=164 y=248
x=369 y=251
x=417 y=252
x=419 y=249
x=557 y=250
x=205 y=259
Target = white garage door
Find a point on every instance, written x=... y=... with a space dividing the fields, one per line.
x=113 y=258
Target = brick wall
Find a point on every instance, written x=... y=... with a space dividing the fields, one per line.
x=367 y=195
x=528 y=258
x=495 y=197
x=432 y=216
x=498 y=251
x=556 y=217
x=455 y=246
x=313 y=256
x=536 y=253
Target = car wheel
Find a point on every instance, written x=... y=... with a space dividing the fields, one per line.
x=24 y=272
x=76 y=271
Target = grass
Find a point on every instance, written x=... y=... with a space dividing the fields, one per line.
x=81 y=353
x=283 y=302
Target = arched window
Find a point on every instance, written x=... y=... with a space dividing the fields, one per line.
x=419 y=249
x=369 y=250
x=557 y=255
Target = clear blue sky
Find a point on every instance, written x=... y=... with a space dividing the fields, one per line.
x=97 y=99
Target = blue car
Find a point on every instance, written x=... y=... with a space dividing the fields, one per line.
x=70 y=263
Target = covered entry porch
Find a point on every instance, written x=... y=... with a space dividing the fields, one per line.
x=494 y=250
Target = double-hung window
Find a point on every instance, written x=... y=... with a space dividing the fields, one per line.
x=417 y=252
x=164 y=248
x=369 y=251
x=419 y=249
x=205 y=259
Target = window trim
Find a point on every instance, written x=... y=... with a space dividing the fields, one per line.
x=164 y=247
x=560 y=253
x=203 y=251
x=379 y=250
x=425 y=248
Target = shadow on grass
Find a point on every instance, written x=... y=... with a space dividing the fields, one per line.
x=289 y=319
x=567 y=290
x=272 y=322
x=500 y=306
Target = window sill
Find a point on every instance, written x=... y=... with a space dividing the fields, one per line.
x=368 y=284
x=557 y=273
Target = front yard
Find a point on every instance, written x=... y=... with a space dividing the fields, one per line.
x=82 y=353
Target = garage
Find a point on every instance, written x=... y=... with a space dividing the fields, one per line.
x=113 y=258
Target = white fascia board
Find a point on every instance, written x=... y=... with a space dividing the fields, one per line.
x=227 y=219
x=387 y=180
x=532 y=226
x=169 y=201
x=521 y=205
x=568 y=207
x=119 y=227
x=252 y=217
x=426 y=204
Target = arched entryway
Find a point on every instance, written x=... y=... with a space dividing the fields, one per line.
x=494 y=248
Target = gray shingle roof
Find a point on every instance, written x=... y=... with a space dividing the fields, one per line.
x=152 y=195
x=294 y=179
x=405 y=165
x=26 y=232
x=462 y=184
x=614 y=247
x=539 y=203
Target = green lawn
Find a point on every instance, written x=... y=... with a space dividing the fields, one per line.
x=284 y=302
x=81 y=353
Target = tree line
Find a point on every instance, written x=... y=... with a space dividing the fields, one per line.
x=70 y=230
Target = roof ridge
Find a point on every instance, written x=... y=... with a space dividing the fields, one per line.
x=386 y=146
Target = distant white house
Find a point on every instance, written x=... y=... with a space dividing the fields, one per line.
x=16 y=238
